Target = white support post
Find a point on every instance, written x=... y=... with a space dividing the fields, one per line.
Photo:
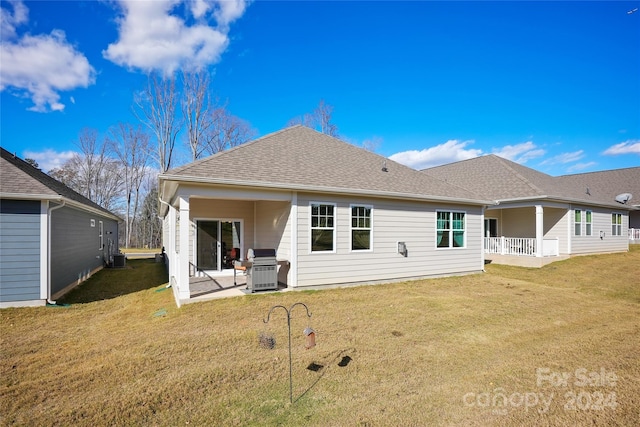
x=293 y=255
x=539 y=230
x=184 y=291
x=171 y=247
x=502 y=245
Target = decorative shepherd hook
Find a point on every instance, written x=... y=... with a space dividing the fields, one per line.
x=289 y=325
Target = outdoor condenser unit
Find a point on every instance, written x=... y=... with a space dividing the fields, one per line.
x=263 y=273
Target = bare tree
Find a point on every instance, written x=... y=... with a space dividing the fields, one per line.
x=92 y=172
x=149 y=229
x=319 y=119
x=131 y=146
x=196 y=104
x=155 y=107
x=323 y=113
x=226 y=131
x=372 y=144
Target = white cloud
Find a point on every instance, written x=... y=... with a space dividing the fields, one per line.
x=40 y=66
x=581 y=166
x=49 y=159
x=519 y=153
x=9 y=21
x=631 y=146
x=153 y=37
x=451 y=151
x=564 y=158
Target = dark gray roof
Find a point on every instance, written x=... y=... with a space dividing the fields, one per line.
x=502 y=180
x=300 y=158
x=18 y=179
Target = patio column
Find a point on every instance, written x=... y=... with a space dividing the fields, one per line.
x=184 y=292
x=171 y=244
x=539 y=230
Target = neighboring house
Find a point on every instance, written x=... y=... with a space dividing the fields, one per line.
x=537 y=218
x=335 y=213
x=613 y=183
x=51 y=238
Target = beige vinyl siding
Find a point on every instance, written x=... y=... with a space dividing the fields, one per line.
x=519 y=222
x=392 y=221
x=601 y=221
x=273 y=228
x=209 y=209
x=555 y=226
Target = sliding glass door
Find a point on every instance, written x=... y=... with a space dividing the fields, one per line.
x=214 y=241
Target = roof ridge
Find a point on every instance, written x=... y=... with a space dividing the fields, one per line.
x=506 y=163
x=227 y=151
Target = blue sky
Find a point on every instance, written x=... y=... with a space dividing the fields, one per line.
x=552 y=85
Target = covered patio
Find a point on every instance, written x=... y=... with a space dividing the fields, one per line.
x=214 y=227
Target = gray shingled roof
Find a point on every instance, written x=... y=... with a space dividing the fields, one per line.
x=503 y=180
x=300 y=158
x=608 y=183
x=19 y=179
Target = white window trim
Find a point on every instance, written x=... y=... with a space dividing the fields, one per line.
x=464 y=244
x=335 y=226
x=360 y=205
x=588 y=231
x=101 y=234
x=621 y=224
x=575 y=211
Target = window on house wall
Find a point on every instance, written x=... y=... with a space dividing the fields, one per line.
x=588 y=223
x=360 y=228
x=101 y=235
x=322 y=227
x=616 y=224
x=450 y=229
x=577 y=222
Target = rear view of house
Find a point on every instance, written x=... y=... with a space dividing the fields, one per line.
x=51 y=237
x=334 y=213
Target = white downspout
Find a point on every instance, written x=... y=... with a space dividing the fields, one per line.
x=49 y=225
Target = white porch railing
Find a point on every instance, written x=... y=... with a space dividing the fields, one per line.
x=634 y=234
x=519 y=246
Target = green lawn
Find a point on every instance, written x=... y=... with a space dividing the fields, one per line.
x=513 y=346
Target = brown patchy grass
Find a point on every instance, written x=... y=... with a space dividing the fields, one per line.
x=432 y=352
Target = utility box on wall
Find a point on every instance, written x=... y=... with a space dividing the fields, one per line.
x=402 y=248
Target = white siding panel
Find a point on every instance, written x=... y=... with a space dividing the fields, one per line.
x=393 y=221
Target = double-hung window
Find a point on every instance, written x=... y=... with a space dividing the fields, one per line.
x=360 y=228
x=588 y=225
x=577 y=222
x=322 y=227
x=616 y=224
x=450 y=229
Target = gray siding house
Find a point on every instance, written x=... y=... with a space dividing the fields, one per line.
x=335 y=213
x=536 y=218
x=51 y=238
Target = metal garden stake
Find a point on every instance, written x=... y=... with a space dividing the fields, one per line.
x=289 y=326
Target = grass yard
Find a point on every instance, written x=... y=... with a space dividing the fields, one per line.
x=553 y=346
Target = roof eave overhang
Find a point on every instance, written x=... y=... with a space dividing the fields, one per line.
x=59 y=199
x=556 y=199
x=168 y=195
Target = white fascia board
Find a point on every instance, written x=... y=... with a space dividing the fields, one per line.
x=325 y=190
x=552 y=199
